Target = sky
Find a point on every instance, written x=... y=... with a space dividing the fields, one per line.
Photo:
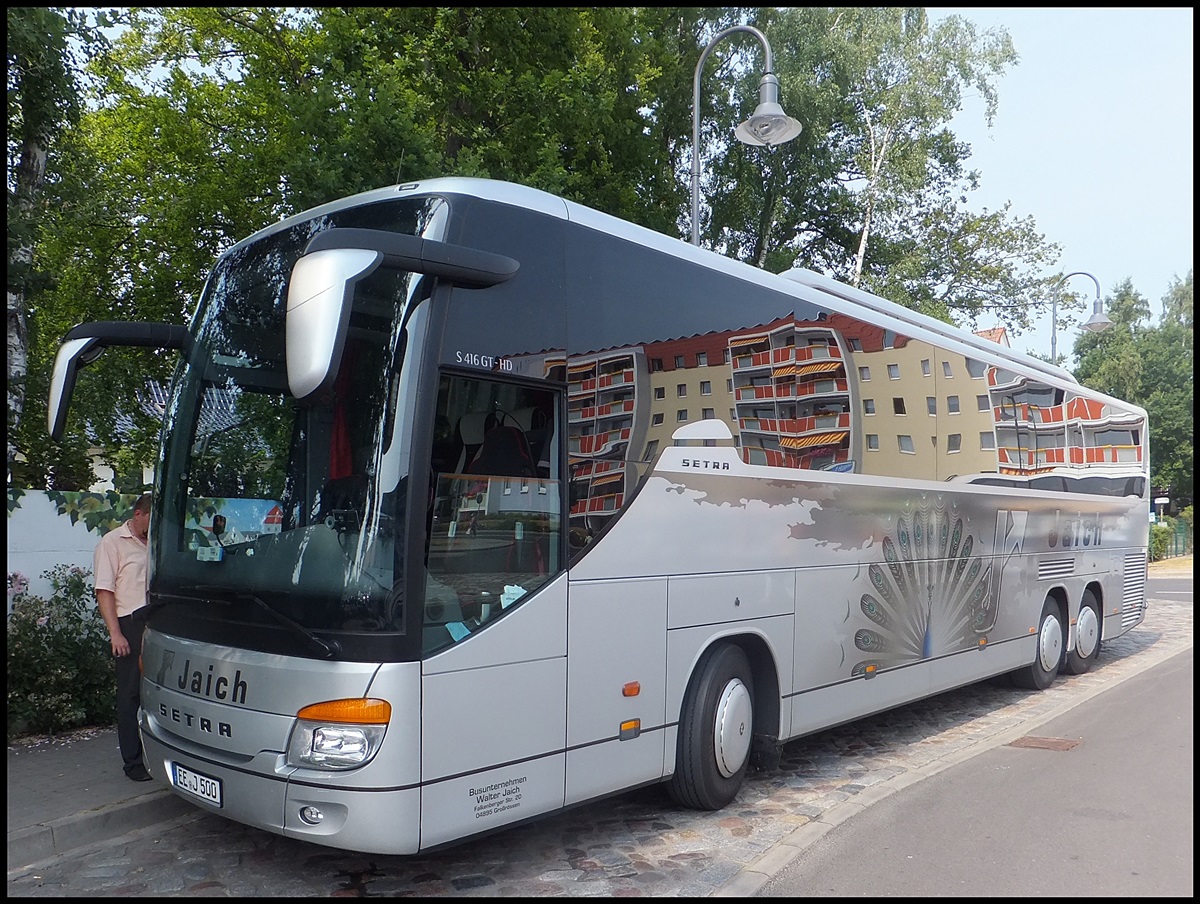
x=1093 y=139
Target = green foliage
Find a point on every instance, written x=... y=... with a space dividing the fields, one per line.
x=1171 y=536
x=957 y=266
x=43 y=100
x=99 y=512
x=44 y=465
x=206 y=124
x=61 y=673
x=1185 y=516
x=1152 y=366
x=1161 y=535
x=43 y=96
x=874 y=189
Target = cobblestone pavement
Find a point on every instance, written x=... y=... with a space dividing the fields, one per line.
x=635 y=845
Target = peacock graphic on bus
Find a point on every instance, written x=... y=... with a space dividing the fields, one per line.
x=932 y=594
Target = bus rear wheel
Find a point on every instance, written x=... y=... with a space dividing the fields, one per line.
x=1040 y=674
x=1087 y=636
x=715 y=730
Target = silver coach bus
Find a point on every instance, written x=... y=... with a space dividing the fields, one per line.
x=475 y=504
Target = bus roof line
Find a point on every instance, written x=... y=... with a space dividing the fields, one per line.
x=841 y=294
x=880 y=305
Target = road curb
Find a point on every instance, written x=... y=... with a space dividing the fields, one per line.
x=31 y=844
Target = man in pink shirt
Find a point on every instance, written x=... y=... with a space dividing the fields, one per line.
x=119 y=566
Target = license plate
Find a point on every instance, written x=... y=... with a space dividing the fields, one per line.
x=197 y=785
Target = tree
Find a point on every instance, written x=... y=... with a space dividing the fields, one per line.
x=43 y=99
x=207 y=124
x=773 y=207
x=1151 y=366
x=1170 y=364
x=1111 y=361
x=1178 y=303
x=956 y=265
x=908 y=82
x=874 y=189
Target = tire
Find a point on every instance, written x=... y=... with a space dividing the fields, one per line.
x=1087 y=636
x=715 y=731
x=1039 y=674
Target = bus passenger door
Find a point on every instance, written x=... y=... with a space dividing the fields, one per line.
x=494 y=668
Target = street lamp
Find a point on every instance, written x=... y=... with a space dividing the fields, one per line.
x=1097 y=323
x=768 y=126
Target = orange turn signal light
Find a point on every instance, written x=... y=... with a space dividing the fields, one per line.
x=353 y=711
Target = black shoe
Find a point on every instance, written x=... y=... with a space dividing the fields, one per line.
x=138 y=773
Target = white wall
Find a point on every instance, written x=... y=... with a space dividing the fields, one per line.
x=40 y=538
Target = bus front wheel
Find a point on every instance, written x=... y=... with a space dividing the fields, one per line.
x=715 y=730
x=1087 y=636
x=1040 y=674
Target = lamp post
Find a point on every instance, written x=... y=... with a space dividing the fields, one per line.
x=1097 y=323
x=769 y=125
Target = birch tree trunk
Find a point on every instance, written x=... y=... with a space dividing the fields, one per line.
x=30 y=173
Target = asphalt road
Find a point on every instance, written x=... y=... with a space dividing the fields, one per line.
x=1110 y=815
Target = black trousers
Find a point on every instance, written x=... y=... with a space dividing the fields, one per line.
x=129 y=689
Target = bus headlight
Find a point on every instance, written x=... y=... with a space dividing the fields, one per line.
x=333 y=746
x=338 y=734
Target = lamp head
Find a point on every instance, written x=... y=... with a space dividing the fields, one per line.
x=769 y=125
x=1097 y=323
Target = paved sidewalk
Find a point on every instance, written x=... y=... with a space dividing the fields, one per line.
x=69 y=791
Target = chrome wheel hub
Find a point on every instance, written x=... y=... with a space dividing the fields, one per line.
x=732 y=728
x=1087 y=632
x=1050 y=644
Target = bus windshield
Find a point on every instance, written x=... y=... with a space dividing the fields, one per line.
x=281 y=513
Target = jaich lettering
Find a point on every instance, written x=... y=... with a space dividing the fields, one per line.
x=1081 y=530
x=203 y=684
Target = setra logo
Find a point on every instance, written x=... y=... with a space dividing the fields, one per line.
x=191 y=720
x=705 y=465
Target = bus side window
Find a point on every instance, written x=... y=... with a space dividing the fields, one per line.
x=504 y=451
x=495 y=523
x=535 y=422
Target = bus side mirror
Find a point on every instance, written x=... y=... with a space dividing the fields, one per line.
x=321 y=290
x=71 y=356
x=83 y=345
x=320 y=295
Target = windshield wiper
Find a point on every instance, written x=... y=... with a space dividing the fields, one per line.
x=315 y=644
x=189 y=593
x=326 y=650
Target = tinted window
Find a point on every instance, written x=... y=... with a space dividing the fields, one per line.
x=508 y=328
x=495 y=523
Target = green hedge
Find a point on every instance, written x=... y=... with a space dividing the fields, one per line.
x=61 y=671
